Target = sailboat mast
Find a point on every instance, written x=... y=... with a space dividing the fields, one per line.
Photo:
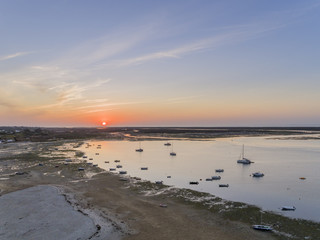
x=242 y=151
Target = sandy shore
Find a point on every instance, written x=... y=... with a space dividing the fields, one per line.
x=93 y=204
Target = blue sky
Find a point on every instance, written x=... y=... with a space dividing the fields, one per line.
x=159 y=63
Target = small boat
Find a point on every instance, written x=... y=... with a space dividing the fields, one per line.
x=89 y=163
x=168 y=176
x=80 y=169
x=119 y=166
x=167 y=144
x=262 y=227
x=90 y=158
x=144 y=168
x=116 y=160
x=215 y=177
x=159 y=182
x=193 y=183
x=242 y=159
x=85 y=157
x=219 y=170
x=209 y=179
x=257 y=174
x=302 y=178
x=122 y=172
x=288 y=208
x=112 y=169
x=106 y=161
x=95 y=165
x=163 y=205
x=223 y=185
x=139 y=149
x=172 y=153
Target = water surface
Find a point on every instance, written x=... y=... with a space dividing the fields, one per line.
x=282 y=161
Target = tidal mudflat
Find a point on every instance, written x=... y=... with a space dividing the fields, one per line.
x=129 y=207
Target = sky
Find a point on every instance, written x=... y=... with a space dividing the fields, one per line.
x=159 y=63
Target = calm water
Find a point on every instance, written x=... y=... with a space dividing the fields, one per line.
x=282 y=162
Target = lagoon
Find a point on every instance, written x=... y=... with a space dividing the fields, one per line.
x=283 y=161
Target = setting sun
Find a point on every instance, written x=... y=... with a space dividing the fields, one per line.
x=104 y=123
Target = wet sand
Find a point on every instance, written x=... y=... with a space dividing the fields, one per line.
x=42 y=212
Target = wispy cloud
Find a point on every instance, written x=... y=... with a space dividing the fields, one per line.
x=178 y=52
x=68 y=92
x=230 y=35
x=99 y=110
x=7 y=104
x=223 y=36
x=102 y=49
x=182 y=99
x=96 y=100
x=107 y=105
x=14 y=55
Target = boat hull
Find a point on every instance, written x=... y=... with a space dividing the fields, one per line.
x=262 y=227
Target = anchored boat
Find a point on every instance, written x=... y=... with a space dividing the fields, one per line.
x=242 y=159
x=139 y=149
x=262 y=227
x=288 y=208
x=257 y=174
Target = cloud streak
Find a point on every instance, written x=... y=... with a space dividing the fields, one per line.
x=69 y=92
x=106 y=105
x=15 y=55
x=236 y=34
x=179 y=51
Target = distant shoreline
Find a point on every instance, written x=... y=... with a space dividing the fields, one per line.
x=18 y=134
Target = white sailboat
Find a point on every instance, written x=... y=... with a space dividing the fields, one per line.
x=242 y=159
x=262 y=227
x=288 y=208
